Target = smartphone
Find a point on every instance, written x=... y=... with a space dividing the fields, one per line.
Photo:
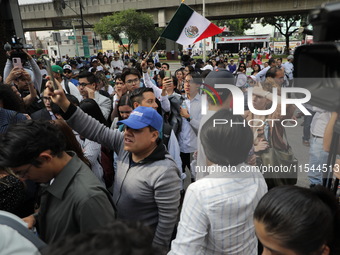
x=17 y=62
x=167 y=74
x=49 y=71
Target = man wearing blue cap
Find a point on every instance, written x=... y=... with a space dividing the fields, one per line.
x=147 y=182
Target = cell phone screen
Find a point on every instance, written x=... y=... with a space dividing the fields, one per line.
x=17 y=62
x=49 y=71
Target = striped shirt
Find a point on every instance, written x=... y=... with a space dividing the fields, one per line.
x=217 y=215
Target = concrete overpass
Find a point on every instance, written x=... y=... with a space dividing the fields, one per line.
x=42 y=16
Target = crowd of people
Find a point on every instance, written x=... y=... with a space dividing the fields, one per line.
x=97 y=164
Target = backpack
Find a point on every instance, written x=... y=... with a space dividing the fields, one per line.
x=107 y=164
x=67 y=87
x=166 y=134
x=23 y=231
x=174 y=117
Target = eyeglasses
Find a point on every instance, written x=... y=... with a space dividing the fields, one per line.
x=84 y=84
x=132 y=81
x=47 y=98
x=67 y=71
x=22 y=174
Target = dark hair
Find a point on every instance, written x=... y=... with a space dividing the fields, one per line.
x=91 y=78
x=254 y=70
x=124 y=100
x=73 y=100
x=166 y=64
x=158 y=65
x=117 y=238
x=24 y=141
x=205 y=73
x=272 y=71
x=9 y=99
x=128 y=71
x=302 y=219
x=118 y=76
x=91 y=107
x=71 y=141
x=271 y=61
x=137 y=95
x=150 y=60
x=225 y=144
x=241 y=64
x=191 y=69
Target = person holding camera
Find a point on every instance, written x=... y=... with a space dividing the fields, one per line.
x=21 y=79
x=25 y=61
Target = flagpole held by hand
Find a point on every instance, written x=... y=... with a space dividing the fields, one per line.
x=154 y=45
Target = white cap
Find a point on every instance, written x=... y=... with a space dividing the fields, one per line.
x=67 y=67
x=93 y=60
x=207 y=67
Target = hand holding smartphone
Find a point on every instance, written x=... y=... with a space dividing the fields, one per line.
x=49 y=71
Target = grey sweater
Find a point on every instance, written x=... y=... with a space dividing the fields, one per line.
x=148 y=191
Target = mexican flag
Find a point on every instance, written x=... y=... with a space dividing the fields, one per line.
x=188 y=27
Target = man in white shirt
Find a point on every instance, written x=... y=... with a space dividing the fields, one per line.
x=261 y=76
x=117 y=64
x=289 y=68
x=96 y=64
x=217 y=213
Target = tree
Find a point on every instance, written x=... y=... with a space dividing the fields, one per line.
x=130 y=23
x=284 y=24
x=238 y=26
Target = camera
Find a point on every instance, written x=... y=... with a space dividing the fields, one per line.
x=317 y=65
x=16 y=46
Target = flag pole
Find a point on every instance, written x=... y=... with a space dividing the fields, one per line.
x=154 y=45
x=204 y=41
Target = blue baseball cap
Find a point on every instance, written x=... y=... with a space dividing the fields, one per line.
x=142 y=117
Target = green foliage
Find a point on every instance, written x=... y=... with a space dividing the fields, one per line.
x=284 y=24
x=129 y=23
x=238 y=26
x=39 y=52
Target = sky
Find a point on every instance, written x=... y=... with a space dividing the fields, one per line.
x=21 y=2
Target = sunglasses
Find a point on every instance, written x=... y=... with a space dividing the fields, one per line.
x=67 y=71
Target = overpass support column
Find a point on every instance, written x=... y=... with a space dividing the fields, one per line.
x=161 y=18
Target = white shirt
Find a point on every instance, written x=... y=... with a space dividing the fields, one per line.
x=289 y=68
x=319 y=122
x=117 y=66
x=73 y=90
x=187 y=138
x=261 y=76
x=217 y=215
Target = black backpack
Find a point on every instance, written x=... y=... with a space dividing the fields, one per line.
x=174 y=117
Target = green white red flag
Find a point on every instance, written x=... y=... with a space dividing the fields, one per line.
x=188 y=27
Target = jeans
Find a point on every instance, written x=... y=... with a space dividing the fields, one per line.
x=317 y=157
x=306 y=126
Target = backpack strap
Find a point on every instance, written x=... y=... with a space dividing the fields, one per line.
x=22 y=230
x=67 y=87
x=166 y=134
